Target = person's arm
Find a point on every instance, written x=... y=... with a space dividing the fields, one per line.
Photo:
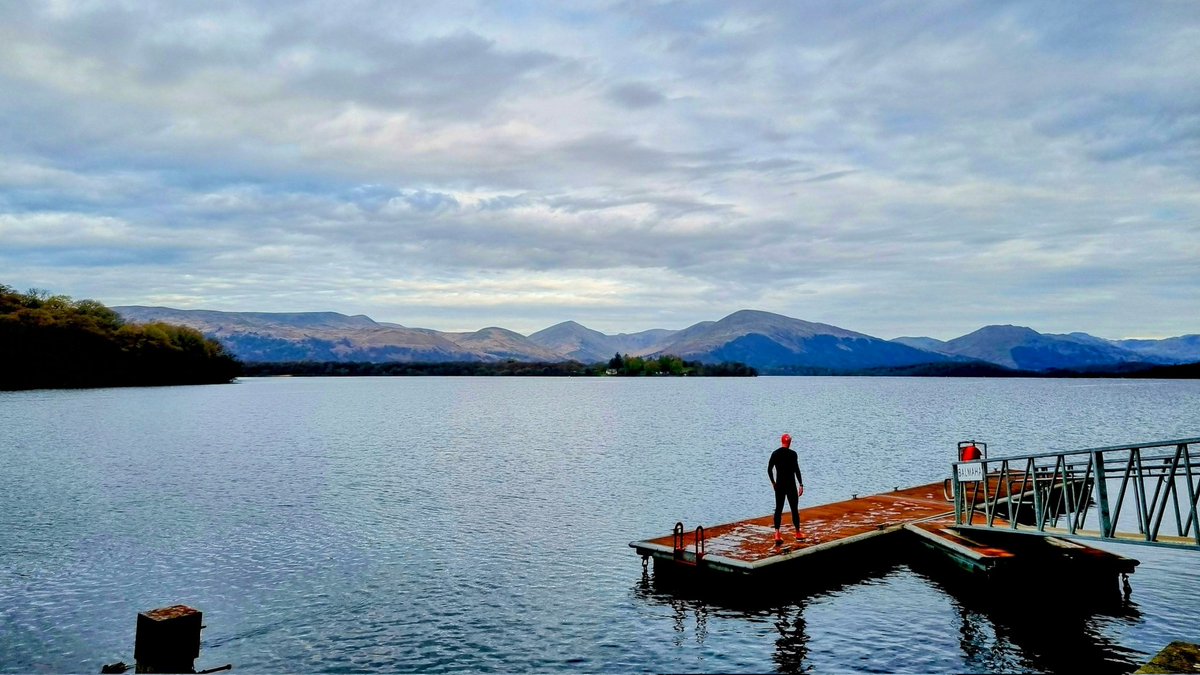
x=800 y=481
x=770 y=475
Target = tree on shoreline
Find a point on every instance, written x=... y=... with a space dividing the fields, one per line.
x=52 y=341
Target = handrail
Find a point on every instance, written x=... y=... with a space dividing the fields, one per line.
x=1156 y=487
x=1111 y=448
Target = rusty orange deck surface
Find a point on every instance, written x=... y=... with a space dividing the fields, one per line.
x=753 y=540
x=940 y=527
x=169 y=613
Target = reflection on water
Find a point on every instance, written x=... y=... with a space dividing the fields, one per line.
x=791 y=649
x=1047 y=626
x=1042 y=628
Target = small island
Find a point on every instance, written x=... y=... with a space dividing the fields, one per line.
x=51 y=341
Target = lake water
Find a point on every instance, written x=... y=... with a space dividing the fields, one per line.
x=481 y=524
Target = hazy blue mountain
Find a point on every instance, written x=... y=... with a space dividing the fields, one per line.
x=1026 y=349
x=1182 y=349
x=504 y=344
x=927 y=343
x=1084 y=338
x=575 y=341
x=766 y=340
x=642 y=342
x=308 y=336
x=758 y=339
x=245 y=321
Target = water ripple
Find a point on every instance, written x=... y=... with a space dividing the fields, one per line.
x=476 y=524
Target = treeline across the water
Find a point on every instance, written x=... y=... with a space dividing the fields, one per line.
x=669 y=364
x=981 y=369
x=501 y=368
x=52 y=341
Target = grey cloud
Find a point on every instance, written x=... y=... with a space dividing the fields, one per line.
x=460 y=74
x=293 y=148
x=608 y=152
x=425 y=201
x=666 y=206
x=302 y=52
x=636 y=95
x=93 y=257
x=832 y=175
x=505 y=202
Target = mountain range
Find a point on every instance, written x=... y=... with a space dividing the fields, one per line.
x=769 y=342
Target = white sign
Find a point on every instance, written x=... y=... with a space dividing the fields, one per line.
x=971 y=471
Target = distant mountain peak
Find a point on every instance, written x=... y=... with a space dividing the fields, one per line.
x=926 y=343
x=566 y=327
x=581 y=343
x=1026 y=349
x=496 y=330
x=769 y=340
x=753 y=315
x=758 y=338
x=1007 y=329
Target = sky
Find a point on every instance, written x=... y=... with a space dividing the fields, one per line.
x=890 y=168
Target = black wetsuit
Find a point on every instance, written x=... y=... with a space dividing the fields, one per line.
x=787 y=473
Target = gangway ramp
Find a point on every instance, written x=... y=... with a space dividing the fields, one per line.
x=1144 y=494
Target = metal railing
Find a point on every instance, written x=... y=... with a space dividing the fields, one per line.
x=1144 y=493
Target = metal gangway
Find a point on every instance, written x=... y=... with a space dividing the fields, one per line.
x=1145 y=493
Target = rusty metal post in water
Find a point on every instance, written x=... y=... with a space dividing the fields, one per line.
x=168 y=640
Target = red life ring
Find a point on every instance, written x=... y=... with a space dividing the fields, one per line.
x=969 y=454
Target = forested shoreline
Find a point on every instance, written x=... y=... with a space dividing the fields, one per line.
x=53 y=342
x=637 y=368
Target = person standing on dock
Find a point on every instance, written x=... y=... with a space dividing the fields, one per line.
x=784 y=472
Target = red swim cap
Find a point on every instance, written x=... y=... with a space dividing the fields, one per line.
x=786 y=440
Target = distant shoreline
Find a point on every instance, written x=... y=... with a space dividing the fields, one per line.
x=575 y=369
x=482 y=369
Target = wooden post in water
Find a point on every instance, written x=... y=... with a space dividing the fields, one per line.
x=168 y=640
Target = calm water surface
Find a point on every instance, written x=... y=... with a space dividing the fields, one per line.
x=478 y=524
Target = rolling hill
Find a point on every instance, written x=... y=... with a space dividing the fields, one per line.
x=578 y=342
x=1023 y=348
x=329 y=336
x=769 y=342
x=766 y=340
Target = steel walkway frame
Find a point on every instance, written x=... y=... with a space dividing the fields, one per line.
x=1071 y=494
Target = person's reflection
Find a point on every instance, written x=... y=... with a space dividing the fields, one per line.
x=791 y=649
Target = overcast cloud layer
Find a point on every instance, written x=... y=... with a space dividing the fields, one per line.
x=896 y=169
